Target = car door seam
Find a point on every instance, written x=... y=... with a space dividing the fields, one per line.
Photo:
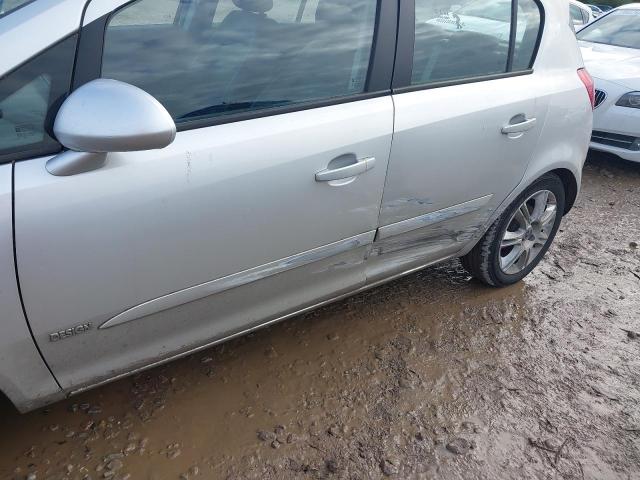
x=17 y=274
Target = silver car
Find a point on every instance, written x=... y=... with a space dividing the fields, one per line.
x=175 y=173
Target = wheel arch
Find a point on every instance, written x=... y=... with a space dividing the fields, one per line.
x=570 y=183
x=5 y=400
x=569 y=177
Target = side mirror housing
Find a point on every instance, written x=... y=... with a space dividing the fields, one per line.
x=108 y=116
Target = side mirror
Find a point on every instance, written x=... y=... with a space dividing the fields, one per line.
x=107 y=116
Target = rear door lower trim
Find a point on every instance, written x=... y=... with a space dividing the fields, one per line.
x=432 y=218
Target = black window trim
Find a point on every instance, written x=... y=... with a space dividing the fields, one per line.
x=37 y=152
x=30 y=152
x=406 y=42
x=15 y=9
x=378 y=84
x=513 y=32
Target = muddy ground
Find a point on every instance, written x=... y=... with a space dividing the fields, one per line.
x=432 y=376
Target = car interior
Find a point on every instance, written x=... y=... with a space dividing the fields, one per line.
x=246 y=61
x=443 y=54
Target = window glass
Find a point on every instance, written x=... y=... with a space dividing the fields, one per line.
x=163 y=13
x=458 y=39
x=620 y=28
x=576 y=14
x=224 y=8
x=282 y=11
x=308 y=14
x=527 y=32
x=248 y=55
x=29 y=99
x=7 y=6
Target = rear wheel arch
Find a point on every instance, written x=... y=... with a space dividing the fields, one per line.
x=483 y=261
x=5 y=400
x=570 y=184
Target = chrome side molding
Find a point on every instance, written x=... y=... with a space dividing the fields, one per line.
x=238 y=279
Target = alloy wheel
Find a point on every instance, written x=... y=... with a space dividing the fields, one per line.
x=528 y=232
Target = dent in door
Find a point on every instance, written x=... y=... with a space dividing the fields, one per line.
x=428 y=238
x=433 y=218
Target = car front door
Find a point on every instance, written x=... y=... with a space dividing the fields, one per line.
x=468 y=118
x=265 y=203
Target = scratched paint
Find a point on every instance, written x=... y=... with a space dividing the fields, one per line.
x=535 y=381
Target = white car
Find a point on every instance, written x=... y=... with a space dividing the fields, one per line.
x=611 y=51
x=595 y=10
x=581 y=14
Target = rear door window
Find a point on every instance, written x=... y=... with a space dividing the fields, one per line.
x=251 y=54
x=466 y=39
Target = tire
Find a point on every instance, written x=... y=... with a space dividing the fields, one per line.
x=518 y=237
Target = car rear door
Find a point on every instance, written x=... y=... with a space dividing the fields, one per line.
x=468 y=118
x=260 y=207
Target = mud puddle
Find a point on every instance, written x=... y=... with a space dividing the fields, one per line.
x=432 y=376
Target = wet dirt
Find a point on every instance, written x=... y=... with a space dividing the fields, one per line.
x=432 y=376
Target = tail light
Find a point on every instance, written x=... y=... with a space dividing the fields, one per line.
x=589 y=85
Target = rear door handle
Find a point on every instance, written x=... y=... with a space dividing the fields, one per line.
x=353 y=170
x=520 y=127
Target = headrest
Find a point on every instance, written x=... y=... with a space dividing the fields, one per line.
x=254 y=6
x=336 y=11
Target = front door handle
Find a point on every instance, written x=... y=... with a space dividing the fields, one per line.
x=353 y=170
x=520 y=127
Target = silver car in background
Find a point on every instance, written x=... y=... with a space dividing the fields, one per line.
x=174 y=173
